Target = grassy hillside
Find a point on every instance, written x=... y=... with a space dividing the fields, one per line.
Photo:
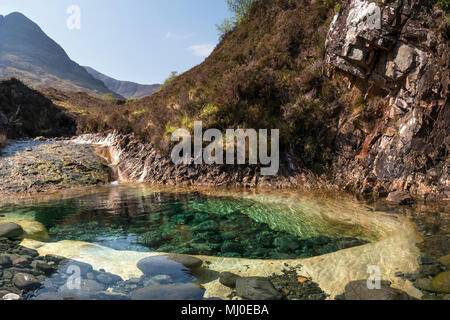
x=266 y=73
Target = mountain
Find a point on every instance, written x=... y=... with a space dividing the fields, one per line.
x=127 y=89
x=28 y=54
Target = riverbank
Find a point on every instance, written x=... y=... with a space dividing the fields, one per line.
x=33 y=166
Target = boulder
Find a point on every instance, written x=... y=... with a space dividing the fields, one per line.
x=26 y=281
x=445 y=260
x=256 y=288
x=188 y=291
x=441 y=283
x=21 y=263
x=108 y=279
x=187 y=261
x=358 y=290
x=11 y=230
x=228 y=279
x=83 y=291
x=11 y=297
x=73 y=266
x=5 y=261
x=164 y=265
x=424 y=284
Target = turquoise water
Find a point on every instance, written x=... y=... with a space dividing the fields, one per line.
x=185 y=222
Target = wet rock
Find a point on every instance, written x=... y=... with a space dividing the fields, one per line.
x=11 y=230
x=441 y=283
x=54 y=258
x=5 y=261
x=85 y=288
x=108 y=279
x=228 y=279
x=11 y=297
x=28 y=252
x=21 y=263
x=445 y=260
x=162 y=264
x=187 y=291
x=25 y=281
x=358 y=290
x=187 y=261
x=424 y=284
x=73 y=266
x=45 y=267
x=256 y=288
x=400 y=197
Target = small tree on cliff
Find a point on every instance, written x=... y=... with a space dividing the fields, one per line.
x=239 y=9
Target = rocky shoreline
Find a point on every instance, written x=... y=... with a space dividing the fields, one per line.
x=25 y=275
x=41 y=165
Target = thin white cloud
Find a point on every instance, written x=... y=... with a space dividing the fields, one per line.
x=201 y=50
x=171 y=35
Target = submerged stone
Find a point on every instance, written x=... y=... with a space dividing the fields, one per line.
x=11 y=230
x=189 y=291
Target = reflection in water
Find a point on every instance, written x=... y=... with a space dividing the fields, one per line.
x=188 y=222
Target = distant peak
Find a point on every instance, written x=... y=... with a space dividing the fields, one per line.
x=17 y=17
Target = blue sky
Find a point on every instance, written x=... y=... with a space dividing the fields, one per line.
x=135 y=40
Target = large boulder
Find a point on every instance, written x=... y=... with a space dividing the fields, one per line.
x=26 y=282
x=256 y=288
x=175 y=266
x=359 y=290
x=11 y=230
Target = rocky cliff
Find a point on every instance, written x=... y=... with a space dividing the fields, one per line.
x=397 y=53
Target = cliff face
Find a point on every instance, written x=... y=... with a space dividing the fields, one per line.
x=397 y=55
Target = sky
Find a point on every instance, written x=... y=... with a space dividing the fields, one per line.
x=134 y=40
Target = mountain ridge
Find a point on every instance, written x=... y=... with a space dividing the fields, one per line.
x=127 y=89
x=28 y=54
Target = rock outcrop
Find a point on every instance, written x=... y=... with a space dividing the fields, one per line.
x=397 y=53
x=142 y=162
